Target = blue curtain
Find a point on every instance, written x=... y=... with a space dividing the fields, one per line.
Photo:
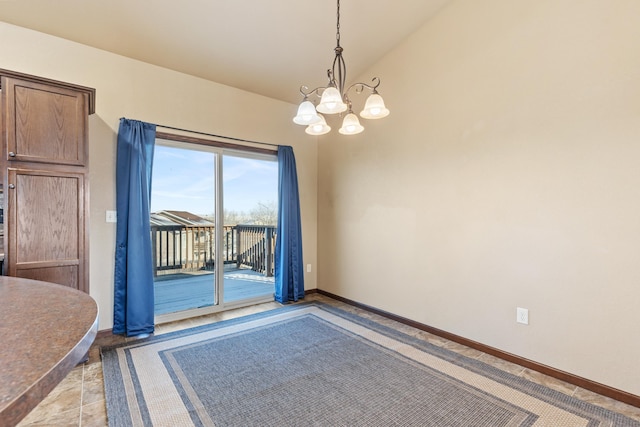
x=289 y=273
x=133 y=309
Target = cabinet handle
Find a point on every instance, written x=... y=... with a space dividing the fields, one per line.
x=12 y=154
x=12 y=186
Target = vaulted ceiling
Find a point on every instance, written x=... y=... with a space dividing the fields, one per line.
x=269 y=47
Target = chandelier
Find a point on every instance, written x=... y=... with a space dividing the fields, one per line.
x=334 y=99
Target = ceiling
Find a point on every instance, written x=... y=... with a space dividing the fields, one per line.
x=268 y=47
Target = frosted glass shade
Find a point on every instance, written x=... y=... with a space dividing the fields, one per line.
x=331 y=102
x=374 y=108
x=351 y=125
x=307 y=114
x=319 y=128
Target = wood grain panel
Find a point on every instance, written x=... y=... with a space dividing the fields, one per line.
x=46 y=226
x=46 y=124
x=88 y=92
x=47 y=220
x=65 y=275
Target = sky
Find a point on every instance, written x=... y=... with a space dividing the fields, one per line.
x=184 y=180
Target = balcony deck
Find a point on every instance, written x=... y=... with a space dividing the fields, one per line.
x=188 y=290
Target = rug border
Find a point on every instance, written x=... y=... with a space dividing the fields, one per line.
x=544 y=393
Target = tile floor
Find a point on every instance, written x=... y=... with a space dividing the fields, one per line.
x=79 y=399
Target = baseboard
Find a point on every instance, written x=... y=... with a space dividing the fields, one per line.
x=104 y=333
x=587 y=384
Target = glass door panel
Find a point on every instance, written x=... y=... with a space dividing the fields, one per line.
x=250 y=195
x=183 y=227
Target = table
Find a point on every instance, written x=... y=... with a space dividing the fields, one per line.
x=45 y=331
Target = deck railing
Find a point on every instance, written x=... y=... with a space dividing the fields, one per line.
x=256 y=244
x=192 y=248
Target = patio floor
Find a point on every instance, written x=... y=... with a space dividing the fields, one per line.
x=184 y=291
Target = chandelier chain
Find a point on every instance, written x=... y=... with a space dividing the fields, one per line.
x=338 y=24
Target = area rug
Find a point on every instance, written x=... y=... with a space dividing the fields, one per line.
x=316 y=365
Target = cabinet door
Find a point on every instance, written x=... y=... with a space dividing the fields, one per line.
x=46 y=226
x=44 y=124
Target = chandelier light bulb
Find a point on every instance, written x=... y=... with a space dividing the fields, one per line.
x=374 y=108
x=351 y=125
x=331 y=102
x=306 y=114
x=319 y=128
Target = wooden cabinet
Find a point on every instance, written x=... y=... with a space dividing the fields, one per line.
x=45 y=174
x=48 y=123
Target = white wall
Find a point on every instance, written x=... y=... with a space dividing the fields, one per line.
x=132 y=89
x=508 y=174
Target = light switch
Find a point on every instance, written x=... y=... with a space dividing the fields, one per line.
x=112 y=216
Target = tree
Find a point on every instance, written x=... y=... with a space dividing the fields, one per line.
x=265 y=213
x=234 y=217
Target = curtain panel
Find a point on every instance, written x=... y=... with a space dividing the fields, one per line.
x=289 y=273
x=133 y=311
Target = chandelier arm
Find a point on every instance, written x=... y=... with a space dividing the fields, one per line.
x=304 y=90
x=360 y=86
x=349 y=105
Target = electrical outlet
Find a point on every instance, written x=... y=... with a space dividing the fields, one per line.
x=308 y=268
x=522 y=315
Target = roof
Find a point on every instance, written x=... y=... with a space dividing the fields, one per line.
x=180 y=218
x=159 y=220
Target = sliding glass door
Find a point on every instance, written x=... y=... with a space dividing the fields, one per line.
x=213 y=216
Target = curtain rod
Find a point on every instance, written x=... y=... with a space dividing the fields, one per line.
x=212 y=134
